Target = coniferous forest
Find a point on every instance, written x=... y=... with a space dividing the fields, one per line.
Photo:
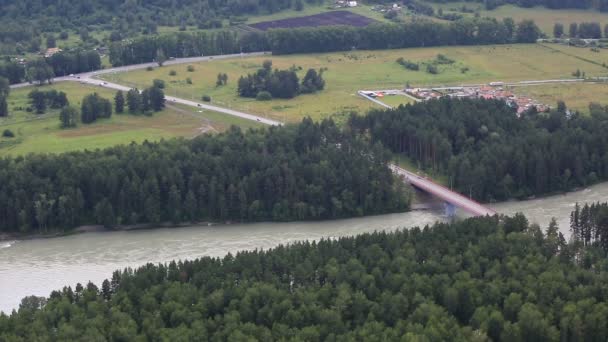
x=301 y=172
x=487 y=152
x=477 y=280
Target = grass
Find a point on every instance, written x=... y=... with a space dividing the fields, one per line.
x=545 y=18
x=577 y=97
x=351 y=71
x=42 y=134
x=396 y=100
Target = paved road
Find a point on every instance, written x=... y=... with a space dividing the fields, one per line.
x=421 y=183
x=444 y=193
x=88 y=78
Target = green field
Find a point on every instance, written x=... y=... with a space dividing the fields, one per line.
x=351 y=71
x=41 y=133
x=545 y=18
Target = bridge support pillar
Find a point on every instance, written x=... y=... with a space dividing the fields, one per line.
x=450 y=210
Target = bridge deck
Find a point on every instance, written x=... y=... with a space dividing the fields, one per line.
x=444 y=193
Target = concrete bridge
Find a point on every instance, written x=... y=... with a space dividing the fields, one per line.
x=452 y=198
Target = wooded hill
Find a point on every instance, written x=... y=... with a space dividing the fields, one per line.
x=300 y=172
x=476 y=280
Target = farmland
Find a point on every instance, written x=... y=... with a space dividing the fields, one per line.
x=34 y=133
x=321 y=19
x=348 y=72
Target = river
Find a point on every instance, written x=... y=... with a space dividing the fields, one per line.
x=36 y=267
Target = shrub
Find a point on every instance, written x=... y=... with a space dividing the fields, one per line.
x=190 y=68
x=263 y=96
x=172 y=73
x=8 y=133
x=464 y=70
x=160 y=84
x=206 y=98
x=189 y=80
x=431 y=69
x=150 y=68
x=408 y=64
x=442 y=59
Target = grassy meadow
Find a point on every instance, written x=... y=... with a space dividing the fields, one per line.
x=42 y=133
x=348 y=72
x=544 y=17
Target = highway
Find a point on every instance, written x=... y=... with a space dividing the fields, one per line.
x=89 y=78
x=443 y=193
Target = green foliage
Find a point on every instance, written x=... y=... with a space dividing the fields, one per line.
x=40 y=100
x=487 y=151
x=589 y=225
x=7 y=133
x=263 y=96
x=222 y=79
x=279 y=83
x=190 y=68
x=313 y=81
x=158 y=83
x=172 y=73
x=408 y=64
x=68 y=117
x=119 y=102
x=466 y=281
x=206 y=98
x=95 y=107
x=303 y=172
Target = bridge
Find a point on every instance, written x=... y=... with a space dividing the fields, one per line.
x=453 y=199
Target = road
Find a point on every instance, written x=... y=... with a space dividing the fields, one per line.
x=89 y=78
x=444 y=193
x=421 y=183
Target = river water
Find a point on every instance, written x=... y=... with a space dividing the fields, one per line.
x=36 y=267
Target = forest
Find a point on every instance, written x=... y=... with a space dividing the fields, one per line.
x=589 y=224
x=481 y=279
x=488 y=152
x=299 y=172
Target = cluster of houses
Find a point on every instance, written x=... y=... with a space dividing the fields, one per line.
x=493 y=91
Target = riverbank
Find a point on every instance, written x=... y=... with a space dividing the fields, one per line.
x=100 y=229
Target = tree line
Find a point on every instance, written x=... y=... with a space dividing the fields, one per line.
x=589 y=224
x=585 y=30
x=468 y=31
x=299 y=172
x=265 y=83
x=44 y=69
x=488 y=152
x=5 y=90
x=600 y=5
x=480 y=279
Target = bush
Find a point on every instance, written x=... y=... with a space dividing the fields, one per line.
x=263 y=96
x=172 y=73
x=64 y=35
x=190 y=68
x=160 y=84
x=149 y=68
x=431 y=69
x=8 y=133
x=206 y=98
x=408 y=64
x=189 y=80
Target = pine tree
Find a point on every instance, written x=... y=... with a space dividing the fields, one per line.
x=119 y=102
